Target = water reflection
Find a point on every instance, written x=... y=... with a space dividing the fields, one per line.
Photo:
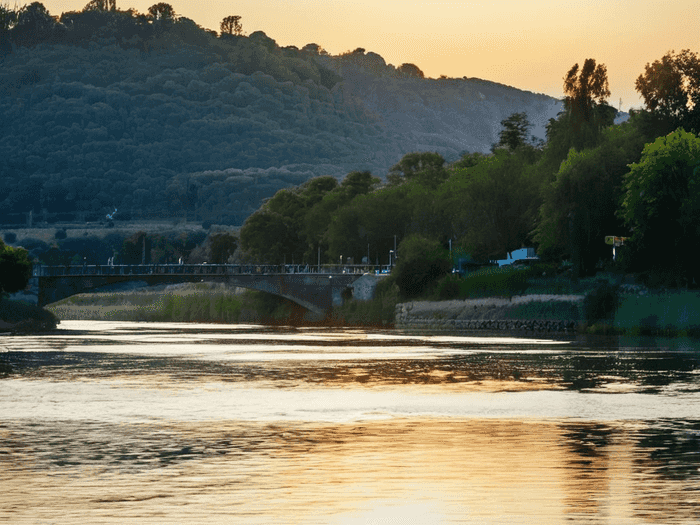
x=477 y=471
x=114 y=422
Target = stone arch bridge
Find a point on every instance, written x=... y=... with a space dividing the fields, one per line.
x=315 y=288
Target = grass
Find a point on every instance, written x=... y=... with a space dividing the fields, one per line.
x=200 y=302
x=676 y=313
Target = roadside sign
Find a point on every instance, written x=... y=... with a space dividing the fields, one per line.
x=615 y=241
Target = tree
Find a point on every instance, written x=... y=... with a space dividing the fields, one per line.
x=515 y=131
x=221 y=246
x=270 y=237
x=34 y=25
x=661 y=206
x=428 y=168
x=420 y=263
x=586 y=88
x=586 y=110
x=579 y=207
x=231 y=25
x=162 y=11
x=101 y=5
x=15 y=269
x=492 y=205
x=8 y=18
x=671 y=89
x=410 y=70
x=357 y=183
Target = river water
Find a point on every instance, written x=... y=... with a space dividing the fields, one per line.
x=107 y=422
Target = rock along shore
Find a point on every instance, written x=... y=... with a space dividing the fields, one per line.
x=530 y=313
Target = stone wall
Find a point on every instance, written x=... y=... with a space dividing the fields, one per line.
x=531 y=313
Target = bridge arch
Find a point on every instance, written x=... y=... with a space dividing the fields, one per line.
x=316 y=290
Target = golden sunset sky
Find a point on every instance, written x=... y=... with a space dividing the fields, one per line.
x=525 y=44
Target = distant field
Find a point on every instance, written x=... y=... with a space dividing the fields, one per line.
x=47 y=233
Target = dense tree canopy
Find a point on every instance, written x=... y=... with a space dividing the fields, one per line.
x=661 y=205
x=579 y=208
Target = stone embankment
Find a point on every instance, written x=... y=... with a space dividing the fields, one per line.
x=531 y=313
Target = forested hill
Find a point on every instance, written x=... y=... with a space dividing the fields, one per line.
x=154 y=115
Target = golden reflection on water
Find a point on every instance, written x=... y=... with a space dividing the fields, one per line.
x=406 y=470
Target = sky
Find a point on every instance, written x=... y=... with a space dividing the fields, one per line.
x=529 y=45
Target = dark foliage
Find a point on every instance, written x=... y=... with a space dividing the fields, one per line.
x=601 y=303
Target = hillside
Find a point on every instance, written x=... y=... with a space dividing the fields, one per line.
x=113 y=110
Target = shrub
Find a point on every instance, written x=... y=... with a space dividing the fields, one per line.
x=377 y=312
x=60 y=234
x=10 y=237
x=449 y=287
x=601 y=303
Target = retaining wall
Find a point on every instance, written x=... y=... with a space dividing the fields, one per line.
x=531 y=313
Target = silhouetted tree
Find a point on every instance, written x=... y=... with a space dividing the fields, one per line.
x=101 y=5
x=34 y=25
x=586 y=88
x=231 y=25
x=671 y=89
x=162 y=11
x=410 y=70
x=8 y=18
x=586 y=93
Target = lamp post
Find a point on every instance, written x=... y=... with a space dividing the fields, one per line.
x=391 y=255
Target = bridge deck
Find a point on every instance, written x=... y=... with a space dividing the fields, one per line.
x=203 y=269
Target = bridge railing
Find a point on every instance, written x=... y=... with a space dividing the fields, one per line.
x=203 y=269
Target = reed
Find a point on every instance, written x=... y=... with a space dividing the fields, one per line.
x=189 y=303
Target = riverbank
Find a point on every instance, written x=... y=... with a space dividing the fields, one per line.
x=18 y=317
x=638 y=312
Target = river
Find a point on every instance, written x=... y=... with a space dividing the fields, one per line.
x=106 y=422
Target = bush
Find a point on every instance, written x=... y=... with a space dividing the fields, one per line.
x=377 y=312
x=449 y=287
x=60 y=234
x=10 y=237
x=601 y=303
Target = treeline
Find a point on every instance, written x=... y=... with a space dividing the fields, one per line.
x=591 y=178
x=154 y=115
x=193 y=247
